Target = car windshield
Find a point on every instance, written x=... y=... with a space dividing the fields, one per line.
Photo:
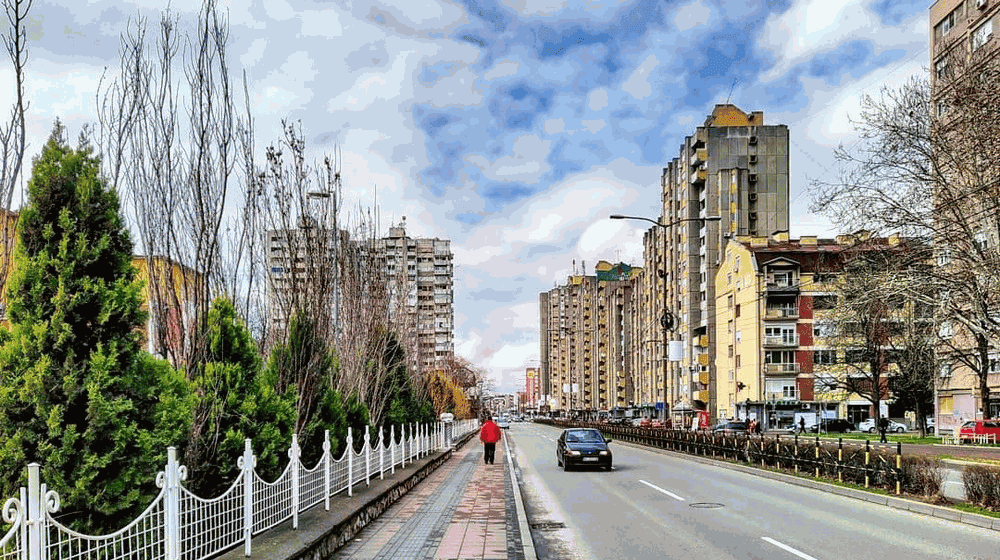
x=969 y=425
x=589 y=436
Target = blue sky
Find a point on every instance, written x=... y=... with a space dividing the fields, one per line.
x=515 y=127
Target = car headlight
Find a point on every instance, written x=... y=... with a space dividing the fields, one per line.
x=603 y=453
x=574 y=452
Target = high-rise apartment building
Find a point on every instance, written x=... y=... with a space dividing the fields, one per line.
x=585 y=342
x=733 y=166
x=419 y=274
x=964 y=49
x=568 y=324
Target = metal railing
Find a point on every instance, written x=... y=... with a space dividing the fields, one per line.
x=180 y=525
x=855 y=462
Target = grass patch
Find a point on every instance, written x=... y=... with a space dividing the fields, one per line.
x=893 y=438
x=973 y=509
x=982 y=460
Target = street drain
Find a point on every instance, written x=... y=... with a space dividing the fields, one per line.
x=706 y=505
x=548 y=525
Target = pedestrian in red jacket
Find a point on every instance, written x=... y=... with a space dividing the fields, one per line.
x=489 y=435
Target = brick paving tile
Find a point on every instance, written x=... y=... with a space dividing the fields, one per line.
x=462 y=511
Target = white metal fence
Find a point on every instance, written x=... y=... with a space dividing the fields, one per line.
x=179 y=525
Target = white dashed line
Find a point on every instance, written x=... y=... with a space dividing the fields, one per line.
x=667 y=492
x=788 y=548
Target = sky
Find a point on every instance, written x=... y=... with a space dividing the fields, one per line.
x=513 y=128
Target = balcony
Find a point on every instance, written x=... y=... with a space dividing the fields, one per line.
x=700 y=156
x=699 y=176
x=781 y=312
x=782 y=341
x=782 y=286
x=781 y=369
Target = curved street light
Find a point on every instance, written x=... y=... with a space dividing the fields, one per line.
x=667 y=320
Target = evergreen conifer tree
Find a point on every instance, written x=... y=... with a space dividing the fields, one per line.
x=77 y=395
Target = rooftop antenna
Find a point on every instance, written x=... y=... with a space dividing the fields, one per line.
x=736 y=79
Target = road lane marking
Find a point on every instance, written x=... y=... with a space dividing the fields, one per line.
x=667 y=492
x=788 y=548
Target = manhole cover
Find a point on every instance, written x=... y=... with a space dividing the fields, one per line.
x=706 y=505
x=548 y=525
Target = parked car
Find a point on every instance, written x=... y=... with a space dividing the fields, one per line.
x=871 y=426
x=730 y=427
x=583 y=447
x=833 y=425
x=503 y=423
x=973 y=428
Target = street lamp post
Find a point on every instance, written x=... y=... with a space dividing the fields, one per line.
x=667 y=320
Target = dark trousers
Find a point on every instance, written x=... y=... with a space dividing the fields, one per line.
x=490 y=449
x=882 y=439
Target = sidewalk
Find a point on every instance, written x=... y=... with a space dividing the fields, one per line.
x=464 y=510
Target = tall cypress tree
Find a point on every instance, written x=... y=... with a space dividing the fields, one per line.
x=76 y=394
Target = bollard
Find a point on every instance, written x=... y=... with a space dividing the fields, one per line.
x=817 y=456
x=899 y=465
x=840 y=459
x=868 y=453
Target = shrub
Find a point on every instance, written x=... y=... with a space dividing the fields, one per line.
x=982 y=486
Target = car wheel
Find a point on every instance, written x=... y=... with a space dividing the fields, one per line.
x=608 y=468
x=871 y=430
x=899 y=430
x=565 y=465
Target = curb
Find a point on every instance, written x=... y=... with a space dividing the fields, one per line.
x=940 y=512
x=527 y=541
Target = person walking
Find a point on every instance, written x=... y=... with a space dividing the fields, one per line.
x=802 y=425
x=883 y=427
x=489 y=435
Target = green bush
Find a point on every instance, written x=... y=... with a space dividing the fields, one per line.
x=77 y=394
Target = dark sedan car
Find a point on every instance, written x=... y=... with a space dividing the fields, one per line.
x=834 y=425
x=583 y=447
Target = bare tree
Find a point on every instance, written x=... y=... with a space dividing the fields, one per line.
x=12 y=133
x=170 y=142
x=927 y=164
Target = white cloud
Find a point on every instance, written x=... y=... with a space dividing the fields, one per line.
x=692 y=15
x=254 y=53
x=638 y=85
x=554 y=126
x=598 y=99
x=372 y=86
x=594 y=126
x=321 y=23
x=502 y=69
x=526 y=162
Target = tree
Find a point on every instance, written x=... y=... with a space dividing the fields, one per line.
x=239 y=399
x=172 y=140
x=76 y=393
x=927 y=164
x=12 y=133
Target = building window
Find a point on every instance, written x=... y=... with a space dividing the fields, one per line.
x=942 y=29
x=737 y=314
x=982 y=35
x=737 y=360
x=730 y=324
x=941 y=68
x=730 y=301
x=946 y=331
x=944 y=256
x=824 y=357
x=730 y=350
x=824 y=302
x=946 y=369
x=945 y=405
x=824 y=329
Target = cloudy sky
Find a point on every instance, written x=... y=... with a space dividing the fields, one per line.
x=515 y=127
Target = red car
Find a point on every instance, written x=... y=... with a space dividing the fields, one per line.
x=975 y=430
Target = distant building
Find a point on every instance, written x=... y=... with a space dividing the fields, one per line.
x=419 y=273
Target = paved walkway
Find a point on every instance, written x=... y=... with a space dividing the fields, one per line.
x=465 y=510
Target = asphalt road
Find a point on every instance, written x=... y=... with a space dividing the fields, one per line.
x=654 y=505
